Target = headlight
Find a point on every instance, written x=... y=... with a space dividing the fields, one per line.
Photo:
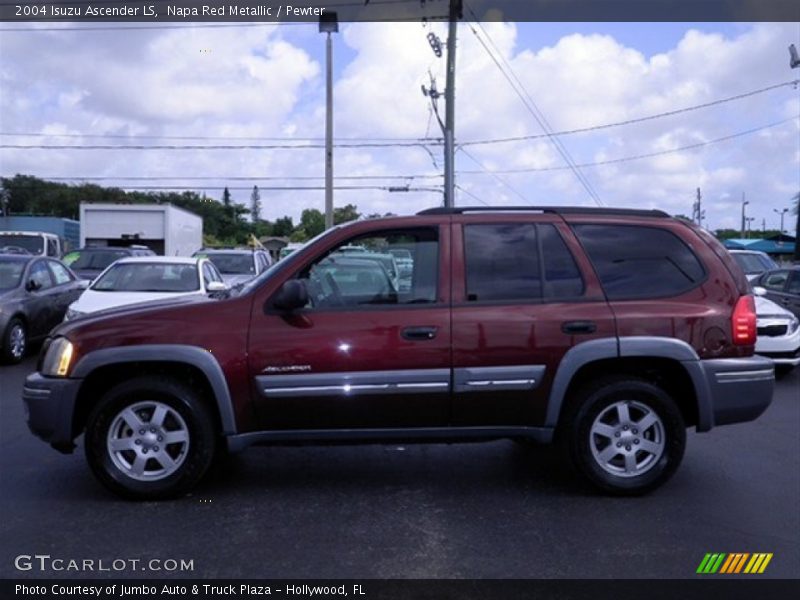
x=794 y=324
x=73 y=314
x=58 y=359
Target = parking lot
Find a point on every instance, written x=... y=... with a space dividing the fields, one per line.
x=494 y=510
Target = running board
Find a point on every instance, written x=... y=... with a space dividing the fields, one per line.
x=239 y=442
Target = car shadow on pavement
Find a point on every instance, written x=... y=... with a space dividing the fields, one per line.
x=441 y=467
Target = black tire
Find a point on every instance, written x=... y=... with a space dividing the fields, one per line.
x=782 y=371
x=10 y=343
x=182 y=414
x=598 y=406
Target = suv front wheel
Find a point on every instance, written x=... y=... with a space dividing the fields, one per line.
x=150 y=438
x=625 y=435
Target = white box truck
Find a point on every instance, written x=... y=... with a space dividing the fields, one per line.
x=163 y=228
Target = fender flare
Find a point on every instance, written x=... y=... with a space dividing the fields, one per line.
x=627 y=347
x=153 y=353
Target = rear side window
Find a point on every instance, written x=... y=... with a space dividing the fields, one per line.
x=635 y=262
x=502 y=262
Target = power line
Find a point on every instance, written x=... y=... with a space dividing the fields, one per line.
x=532 y=108
x=468 y=193
x=425 y=139
x=493 y=174
x=641 y=156
x=238 y=177
x=636 y=120
x=304 y=146
x=436 y=189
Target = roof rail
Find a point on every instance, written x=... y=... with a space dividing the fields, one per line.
x=558 y=210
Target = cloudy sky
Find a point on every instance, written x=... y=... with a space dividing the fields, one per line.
x=264 y=85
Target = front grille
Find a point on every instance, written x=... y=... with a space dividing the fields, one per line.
x=772 y=330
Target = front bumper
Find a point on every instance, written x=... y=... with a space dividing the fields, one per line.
x=50 y=404
x=738 y=389
x=782 y=349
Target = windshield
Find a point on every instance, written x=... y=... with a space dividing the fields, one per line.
x=148 y=277
x=11 y=273
x=93 y=260
x=232 y=264
x=752 y=263
x=32 y=243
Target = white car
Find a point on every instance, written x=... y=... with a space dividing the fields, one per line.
x=144 y=278
x=778 y=333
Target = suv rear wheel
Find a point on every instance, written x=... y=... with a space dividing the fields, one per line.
x=625 y=435
x=150 y=438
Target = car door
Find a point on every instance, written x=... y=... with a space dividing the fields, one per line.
x=523 y=295
x=360 y=354
x=40 y=303
x=65 y=288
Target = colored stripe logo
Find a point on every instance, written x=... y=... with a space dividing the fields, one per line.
x=735 y=563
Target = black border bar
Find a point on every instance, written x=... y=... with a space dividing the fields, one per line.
x=310 y=11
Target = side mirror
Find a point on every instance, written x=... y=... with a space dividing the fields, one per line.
x=216 y=286
x=292 y=295
x=759 y=291
x=84 y=284
x=32 y=285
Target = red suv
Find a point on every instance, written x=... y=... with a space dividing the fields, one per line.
x=608 y=330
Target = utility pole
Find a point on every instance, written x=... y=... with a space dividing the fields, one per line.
x=328 y=24
x=698 y=214
x=744 y=222
x=450 y=106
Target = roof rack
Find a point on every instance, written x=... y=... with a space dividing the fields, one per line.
x=558 y=210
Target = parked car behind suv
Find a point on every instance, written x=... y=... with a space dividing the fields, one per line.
x=783 y=287
x=608 y=331
x=34 y=294
x=237 y=265
x=89 y=262
x=753 y=262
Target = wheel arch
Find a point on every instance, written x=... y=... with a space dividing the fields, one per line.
x=102 y=369
x=671 y=364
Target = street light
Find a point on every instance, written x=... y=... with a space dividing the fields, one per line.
x=328 y=24
x=781 y=213
x=749 y=220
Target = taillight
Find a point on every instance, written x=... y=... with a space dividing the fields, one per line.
x=743 y=321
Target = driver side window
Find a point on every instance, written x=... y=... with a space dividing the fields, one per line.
x=390 y=268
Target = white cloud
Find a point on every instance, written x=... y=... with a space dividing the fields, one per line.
x=270 y=82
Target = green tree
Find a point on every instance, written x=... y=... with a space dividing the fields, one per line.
x=313 y=222
x=345 y=214
x=283 y=227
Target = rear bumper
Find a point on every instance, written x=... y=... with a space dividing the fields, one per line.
x=50 y=404
x=737 y=389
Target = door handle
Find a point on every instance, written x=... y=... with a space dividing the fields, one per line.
x=572 y=327
x=419 y=333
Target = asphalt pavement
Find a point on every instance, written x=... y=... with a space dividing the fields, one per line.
x=484 y=510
